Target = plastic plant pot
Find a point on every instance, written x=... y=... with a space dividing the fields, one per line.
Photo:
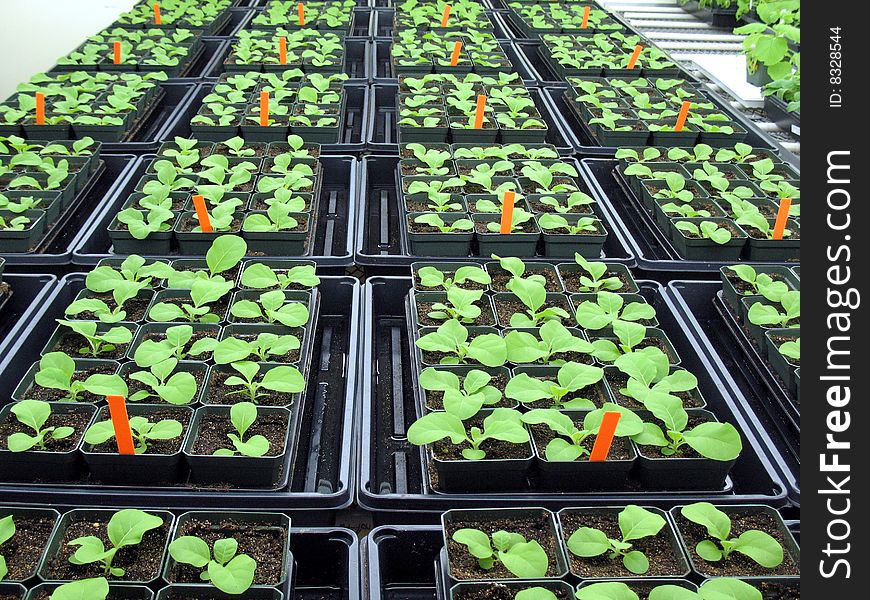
x=61 y=333
x=422 y=360
x=49 y=201
x=179 y=591
x=254 y=132
x=427 y=402
x=111 y=467
x=587 y=244
x=280 y=243
x=685 y=138
x=759 y=332
x=651 y=187
x=638 y=135
x=143 y=298
x=199 y=370
x=410 y=133
x=578 y=299
x=784 y=366
x=487 y=317
x=37 y=524
x=617 y=380
x=103 y=133
x=531 y=135
x=157 y=332
x=21 y=392
x=461 y=134
x=465 y=591
x=642 y=587
x=522 y=243
x=500 y=276
x=656 y=472
x=102 y=516
x=701 y=248
x=759 y=77
x=252 y=330
x=449 y=270
x=26 y=239
x=193 y=243
x=500 y=299
x=116 y=592
x=668 y=533
x=571 y=272
x=324 y=134
x=732 y=296
x=540 y=520
x=720 y=139
x=32 y=131
x=218 y=308
x=123 y=242
x=663 y=219
x=635 y=182
x=768 y=250
x=246 y=471
x=660 y=337
x=45 y=465
x=436 y=243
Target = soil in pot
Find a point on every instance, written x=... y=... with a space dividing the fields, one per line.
x=434 y=357
x=71 y=343
x=499 y=591
x=771 y=590
x=620 y=448
x=617 y=380
x=172 y=446
x=737 y=565
x=500 y=277
x=435 y=398
x=219 y=393
x=78 y=420
x=218 y=308
x=265 y=544
x=214 y=429
x=596 y=393
x=37 y=392
x=573 y=285
x=529 y=226
x=140 y=562
x=658 y=549
x=505 y=307
x=495 y=449
x=448 y=274
x=685 y=451
x=463 y=566
x=484 y=319
x=24 y=549
x=198 y=334
x=291 y=357
x=135 y=307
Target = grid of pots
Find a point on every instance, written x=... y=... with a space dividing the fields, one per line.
x=136 y=554
x=534 y=19
x=104 y=106
x=170 y=51
x=639 y=112
x=441 y=107
x=515 y=372
x=765 y=302
x=420 y=52
x=310 y=50
x=457 y=210
x=212 y=356
x=39 y=183
x=604 y=54
x=619 y=553
x=307 y=105
x=205 y=15
x=426 y=15
x=267 y=193
x=328 y=15
x=717 y=205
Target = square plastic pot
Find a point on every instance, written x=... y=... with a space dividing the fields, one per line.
x=149 y=329
x=123 y=242
x=455 y=243
x=571 y=272
x=49 y=201
x=26 y=239
x=162 y=295
x=520 y=244
x=732 y=297
x=180 y=591
x=27 y=381
x=279 y=243
x=198 y=243
x=578 y=299
x=706 y=249
x=19 y=513
x=588 y=245
x=651 y=332
x=60 y=331
x=786 y=249
x=486 y=318
x=783 y=365
x=621 y=139
x=119 y=592
x=461 y=591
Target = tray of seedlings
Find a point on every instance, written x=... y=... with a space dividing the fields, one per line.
x=532 y=20
x=699 y=208
x=209 y=17
x=236 y=375
x=328 y=15
x=136 y=554
x=506 y=371
x=284 y=198
x=445 y=201
x=627 y=552
x=49 y=192
x=757 y=350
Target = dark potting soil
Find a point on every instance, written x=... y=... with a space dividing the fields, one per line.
x=260 y=320
x=467 y=285
x=114 y=594
x=663 y=561
x=596 y=393
x=214 y=429
x=76 y=346
x=197 y=335
x=37 y=392
x=495 y=449
x=498 y=591
x=218 y=308
x=264 y=543
x=539 y=207
x=290 y=357
x=435 y=398
x=219 y=393
x=655 y=189
x=137 y=386
x=737 y=565
x=434 y=358
x=190 y=223
x=532 y=187
x=77 y=420
x=527 y=227
x=140 y=562
x=9 y=597
x=617 y=380
x=685 y=450
x=573 y=285
x=505 y=308
x=24 y=549
x=757 y=235
x=620 y=448
x=463 y=565
x=229 y=274
x=260 y=204
x=155 y=446
x=423 y=228
x=224 y=150
x=779 y=591
x=745 y=289
x=421 y=206
x=135 y=308
x=500 y=278
x=485 y=318
x=420 y=168
x=722 y=225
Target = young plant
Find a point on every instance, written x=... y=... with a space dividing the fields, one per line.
x=265 y=346
x=95 y=588
x=98 y=343
x=759 y=222
x=571 y=377
x=105 y=279
x=649 y=375
x=277 y=218
x=431 y=277
x=261 y=277
x=720 y=588
x=126 y=528
x=707 y=230
x=57 y=372
x=628 y=335
x=593 y=279
x=756 y=545
x=34 y=414
x=460 y=305
x=609 y=308
x=432 y=158
x=768 y=315
x=451 y=339
x=545 y=175
x=525 y=560
x=161 y=381
x=573 y=203
x=465 y=400
x=282 y=379
x=612 y=590
x=202 y=293
x=675 y=188
x=434 y=220
x=501 y=424
x=550 y=222
x=272 y=307
x=144 y=432
x=228 y=571
x=141 y=224
x=635 y=523
x=122 y=292
x=150 y=353
x=533 y=295
x=7 y=530
x=760 y=283
x=523 y=347
x=518 y=218
x=517 y=268
x=242 y=416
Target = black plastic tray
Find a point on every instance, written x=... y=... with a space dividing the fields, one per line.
x=695 y=301
x=399 y=562
x=17 y=309
x=333 y=237
x=390 y=475
x=57 y=246
x=321 y=478
x=380 y=241
x=654 y=251
x=239 y=16
x=382 y=135
x=382 y=23
x=213 y=49
x=777 y=111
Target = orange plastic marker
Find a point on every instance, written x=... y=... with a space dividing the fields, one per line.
x=507 y=212
x=40 y=108
x=457 y=48
x=117 y=50
x=264 y=109
x=158 y=20
x=446 y=15
x=601 y=447
x=585 y=22
x=282 y=50
x=781 y=218
x=202 y=213
x=634 y=56
x=681 y=118
x=478 y=114
x=300 y=8
x=121 y=423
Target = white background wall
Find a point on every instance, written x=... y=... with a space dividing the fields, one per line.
x=35 y=33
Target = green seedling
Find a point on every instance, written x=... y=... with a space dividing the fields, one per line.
x=570 y=441
x=431 y=277
x=760 y=283
x=707 y=230
x=720 y=588
x=228 y=571
x=144 y=432
x=609 y=308
x=98 y=343
x=649 y=375
x=95 y=588
x=501 y=424
x=525 y=560
x=272 y=307
x=451 y=339
x=460 y=305
x=34 y=414
x=582 y=225
x=759 y=546
x=768 y=315
x=150 y=353
x=264 y=347
x=435 y=221
x=571 y=378
x=533 y=296
x=261 y=277
x=635 y=523
x=162 y=382
x=282 y=379
x=462 y=400
x=555 y=338
x=57 y=372
x=126 y=528
x=593 y=278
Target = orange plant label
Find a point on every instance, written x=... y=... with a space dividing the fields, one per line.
x=300 y=8
x=158 y=20
x=282 y=50
x=507 y=212
x=454 y=59
x=585 y=23
x=478 y=113
x=116 y=48
x=446 y=15
x=202 y=213
x=604 y=439
x=40 y=108
x=121 y=424
x=781 y=218
x=264 y=109
x=634 y=56
x=681 y=118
